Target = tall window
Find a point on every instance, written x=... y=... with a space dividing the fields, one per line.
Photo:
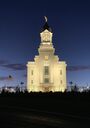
x=31 y=81
x=60 y=72
x=61 y=81
x=46 y=74
x=46 y=70
x=31 y=72
x=46 y=80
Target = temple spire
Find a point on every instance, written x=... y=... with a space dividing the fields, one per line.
x=46 y=26
x=45 y=18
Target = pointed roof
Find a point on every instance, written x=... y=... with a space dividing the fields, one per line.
x=46 y=26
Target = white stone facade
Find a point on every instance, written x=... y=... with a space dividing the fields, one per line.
x=46 y=73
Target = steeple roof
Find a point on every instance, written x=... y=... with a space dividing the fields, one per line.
x=46 y=26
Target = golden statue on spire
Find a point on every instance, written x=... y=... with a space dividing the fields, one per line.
x=45 y=18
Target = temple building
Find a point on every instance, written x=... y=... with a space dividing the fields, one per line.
x=46 y=73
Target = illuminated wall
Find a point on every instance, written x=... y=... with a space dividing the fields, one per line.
x=46 y=73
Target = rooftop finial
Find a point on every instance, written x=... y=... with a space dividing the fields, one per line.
x=45 y=18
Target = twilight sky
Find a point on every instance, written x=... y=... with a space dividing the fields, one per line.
x=20 y=25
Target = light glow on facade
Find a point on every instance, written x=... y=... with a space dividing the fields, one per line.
x=46 y=73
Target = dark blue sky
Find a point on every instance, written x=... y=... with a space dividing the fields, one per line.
x=20 y=25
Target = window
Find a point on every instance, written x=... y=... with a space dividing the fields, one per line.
x=31 y=72
x=61 y=82
x=60 y=72
x=31 y=81
x=46 y=74
x=46 y=57
x=46 y=80
x=46 y=70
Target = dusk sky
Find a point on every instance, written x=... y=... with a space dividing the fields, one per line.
x=20 y=24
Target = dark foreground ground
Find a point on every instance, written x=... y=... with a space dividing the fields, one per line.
x=48 y=110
